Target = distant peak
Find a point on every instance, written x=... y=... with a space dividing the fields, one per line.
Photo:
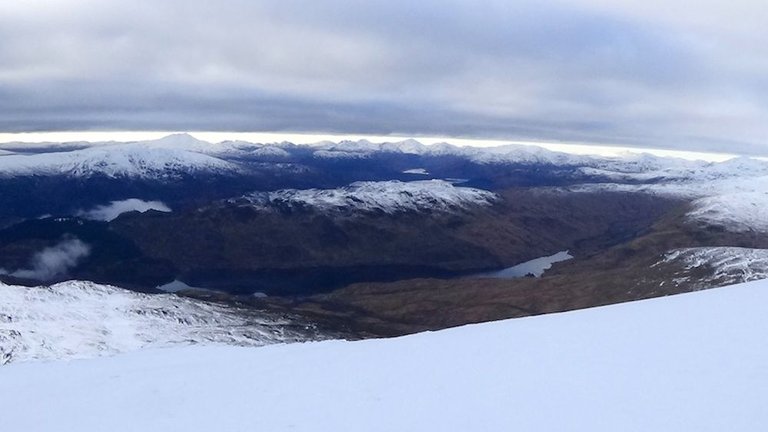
x=179 y=137
x=180 y=140
x=410 y=141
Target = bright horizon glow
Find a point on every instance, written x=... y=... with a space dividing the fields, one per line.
x=308 y=138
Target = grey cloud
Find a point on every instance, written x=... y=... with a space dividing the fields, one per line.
x=55 y=261
x=585 y=71
x=187 y=111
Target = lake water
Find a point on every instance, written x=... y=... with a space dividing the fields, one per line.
x=536 y=267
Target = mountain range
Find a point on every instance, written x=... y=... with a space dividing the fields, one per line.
x=369 y=239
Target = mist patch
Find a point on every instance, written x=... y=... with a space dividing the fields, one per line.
x=55 y=261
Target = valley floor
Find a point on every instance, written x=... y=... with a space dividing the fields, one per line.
x=688 y=362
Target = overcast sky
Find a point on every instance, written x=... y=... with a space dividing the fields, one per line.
x=662 y=73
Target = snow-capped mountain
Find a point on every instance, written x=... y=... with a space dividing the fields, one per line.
x=339 y=154
x=649 y=168
x=82 y=319
x=687 y=362
x=387 y=197
x=137 y=160
x=732 y=194
x=507 y=154
x=510 y=154
x=627 y=163
x=182 y=141
x=409 y=146
x=183 y=153
x=348 y=146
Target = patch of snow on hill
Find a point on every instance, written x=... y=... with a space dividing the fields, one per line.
x=83 y=319
x=386 y=196
x=690 y=362
x=729 y=264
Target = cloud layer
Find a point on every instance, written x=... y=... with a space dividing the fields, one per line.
x=666 y=74
x=116 y=208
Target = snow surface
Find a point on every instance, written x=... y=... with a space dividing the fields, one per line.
x=83 y=319
x=691 y=362
x=115 y=208
x=738 y=212
x=729 y=264
x=385 y=196
x=536 y=267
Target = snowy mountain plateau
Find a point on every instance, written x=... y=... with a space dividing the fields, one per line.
x=386 y=197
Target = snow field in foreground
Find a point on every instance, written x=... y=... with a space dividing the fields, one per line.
x=691 y=362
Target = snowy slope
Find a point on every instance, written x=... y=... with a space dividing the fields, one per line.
x=677 y=172
x=728 y=265
x=386 y=196
x=82 y=319
x=738 y=211
x=692 y=362
x=731 y=194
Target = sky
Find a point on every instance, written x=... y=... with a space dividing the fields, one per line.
x=677 y=75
